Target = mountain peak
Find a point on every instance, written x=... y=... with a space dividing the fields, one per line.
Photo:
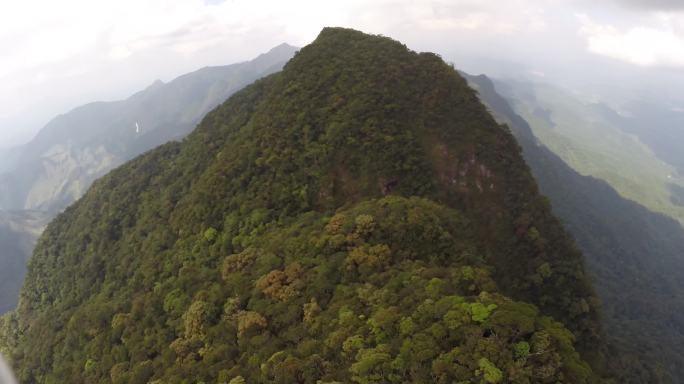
x=155 y=84
x=283 y=47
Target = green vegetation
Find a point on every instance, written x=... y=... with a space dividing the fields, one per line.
x=359 y=217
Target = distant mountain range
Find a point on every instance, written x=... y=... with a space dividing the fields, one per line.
x=41 y=178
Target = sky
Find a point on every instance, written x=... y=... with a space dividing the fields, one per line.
x=56 y=55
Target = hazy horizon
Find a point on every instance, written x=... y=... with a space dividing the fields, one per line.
x=59 y=56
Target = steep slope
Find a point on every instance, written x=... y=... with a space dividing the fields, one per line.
x=76 y=148
x=358 y=217
x=596 y=141
x=58 y=166
x=634 y=256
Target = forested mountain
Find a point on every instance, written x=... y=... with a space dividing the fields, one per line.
x=358 y=217
x=74 y=149
x=633 y=255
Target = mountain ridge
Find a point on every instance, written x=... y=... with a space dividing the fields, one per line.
x=18 y=234
x=62 y=160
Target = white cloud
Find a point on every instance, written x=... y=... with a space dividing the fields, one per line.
x=660 y=5
x=45 y=43
x=659 y=45
x=37 y=32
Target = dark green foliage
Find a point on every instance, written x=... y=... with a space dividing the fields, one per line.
x=261 y=248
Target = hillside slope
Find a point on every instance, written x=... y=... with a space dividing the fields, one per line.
x=358 y=217
x=633 y=255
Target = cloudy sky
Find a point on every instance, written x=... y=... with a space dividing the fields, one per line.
x=55 y=55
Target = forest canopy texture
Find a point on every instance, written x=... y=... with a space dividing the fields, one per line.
x=359 y=217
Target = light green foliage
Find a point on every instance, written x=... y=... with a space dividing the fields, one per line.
x=491 y=373
x=353 y=344
x=210 y=235
x=406 y=326
x=371 y=365
x=175 y=301
x=89 y=365
x=467 y=273
x=237 y=380
x=521 y=350
x=346 y=316
x=480 y=312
